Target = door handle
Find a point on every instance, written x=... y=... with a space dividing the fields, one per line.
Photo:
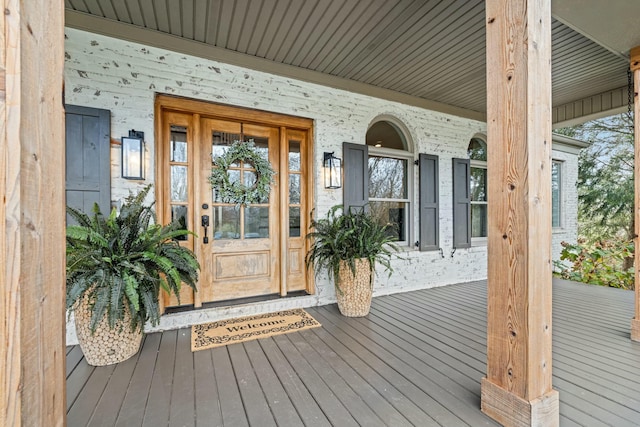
x=205 y=224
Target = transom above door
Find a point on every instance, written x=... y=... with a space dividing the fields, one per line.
x=244 y=251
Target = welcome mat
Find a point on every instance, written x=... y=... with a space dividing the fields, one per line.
x=215 y=334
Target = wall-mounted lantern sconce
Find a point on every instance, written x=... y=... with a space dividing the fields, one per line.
x=332 y=171
x=132 y=160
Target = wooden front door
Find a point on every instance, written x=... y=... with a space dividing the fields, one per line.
x=249 y=251
x=241 y=257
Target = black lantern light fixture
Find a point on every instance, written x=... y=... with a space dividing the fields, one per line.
x=332 y=171
x=132 y=159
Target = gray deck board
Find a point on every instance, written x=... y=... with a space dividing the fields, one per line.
x=137 y=395
x=207 y=399
x=110 y=402
x=300 y=396
x=372 y=397
x=329 y=403
x=284 y=412
x=159 y=403
x=182 y=410
x=85 y=404
x=388 y=391
x=417 y=359
x=451 y=406
x=76 y=380
x=233 y=412
x=255 y=403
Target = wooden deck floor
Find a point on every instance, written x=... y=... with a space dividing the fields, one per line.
x=416 y=360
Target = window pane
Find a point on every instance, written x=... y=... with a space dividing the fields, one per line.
x=393 y=214
x=220 y=141
x=556 y=180
x=294 y=155
x=387 y=135
x=179 y=214
x=226 y=221
x=234 y=176
x=178 y=144
x=387 y=178
x=294 y=188
x=294 y=222
x=261 y=145
x=478 y=185
x=178 y=183
x=256 y=222
x=479 y=220
x=477 y=150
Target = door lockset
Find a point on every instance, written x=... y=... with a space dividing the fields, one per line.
x=205 y=224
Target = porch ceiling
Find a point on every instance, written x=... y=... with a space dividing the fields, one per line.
x=427 y=49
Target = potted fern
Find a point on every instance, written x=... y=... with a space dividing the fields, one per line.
x=116 y=266
x=348 y=245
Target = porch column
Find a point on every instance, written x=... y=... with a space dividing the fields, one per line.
x=517 y=390
x=635 y=69
x=32 y=253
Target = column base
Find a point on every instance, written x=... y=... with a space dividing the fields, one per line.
x=513 y=411
x=635 y=329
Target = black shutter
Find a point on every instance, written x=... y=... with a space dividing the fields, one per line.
x=355 y=164
x=88 y=145
x=461 y=204
x=429 y=206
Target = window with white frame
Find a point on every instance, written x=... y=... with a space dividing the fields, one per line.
x=477 y=152
x=390 y=165
x=556 y=194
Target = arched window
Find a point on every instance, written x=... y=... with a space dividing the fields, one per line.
x=478 y=187
x=390 y=166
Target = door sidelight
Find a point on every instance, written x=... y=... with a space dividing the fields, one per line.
x=205 y=224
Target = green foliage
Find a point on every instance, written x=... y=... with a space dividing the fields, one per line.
x=123 y=260
x=599 y=264
x=347 y=236
x=235 y=191
x=605 y=178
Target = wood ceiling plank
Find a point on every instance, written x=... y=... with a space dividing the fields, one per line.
x=417 y=32
x=93 y=7
x=368 y=36
x=135 y=12
x=305 y=15
x=68 y=4
x=200 y=15
x=363 y=25
x=149 y=14
x=387 y=31
x=253 y=18
x=428 y=69
x=239 y=24
x=108 y=10
x=332 y=18
x=309 y=31
x=429 y=41
x=213 y=18
x=121 y=11
x=279 y=10
x=162 y=15
x=224 y=20
x=187 y=21
x=258 y=35
x=283 y=27
x=173 y=11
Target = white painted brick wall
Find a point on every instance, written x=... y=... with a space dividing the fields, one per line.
x=123 y=77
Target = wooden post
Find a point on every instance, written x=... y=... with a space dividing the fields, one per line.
x=517 y=390
x=635 y=69
x=32 y=255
